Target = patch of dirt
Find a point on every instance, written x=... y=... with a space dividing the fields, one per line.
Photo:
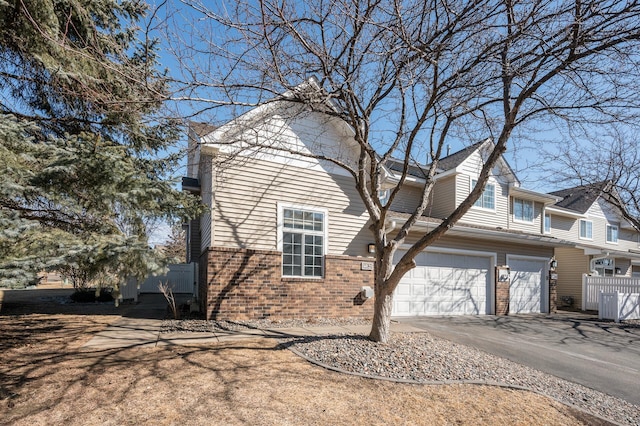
x=47 y=378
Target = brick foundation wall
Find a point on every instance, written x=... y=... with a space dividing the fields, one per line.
x=502 y=298
x=238 y=284
x=553 y=294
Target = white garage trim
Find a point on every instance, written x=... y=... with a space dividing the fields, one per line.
x=436 y=249
x=414 y=295
x=542 y=305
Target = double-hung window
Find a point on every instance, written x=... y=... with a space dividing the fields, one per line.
x=303 y=242
x=612 y=234
x=522 y=210
x=586 y=229
x=488 y=198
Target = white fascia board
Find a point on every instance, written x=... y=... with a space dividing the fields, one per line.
x=461 y=230
x=631 y=255
x=590 y=251
x=393 y=178
x=567 y=213
x=241 y=122
x=501 y=163
x=527 y=194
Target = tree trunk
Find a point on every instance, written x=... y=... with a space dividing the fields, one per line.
x=380 y=329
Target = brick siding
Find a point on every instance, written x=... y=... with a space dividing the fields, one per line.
x=502 y=298
x=239 y=284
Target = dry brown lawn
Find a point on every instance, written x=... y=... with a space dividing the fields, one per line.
x=46 y=378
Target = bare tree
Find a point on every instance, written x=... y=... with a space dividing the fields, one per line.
x=176 y=246
x=606 y=159
x=409 y=76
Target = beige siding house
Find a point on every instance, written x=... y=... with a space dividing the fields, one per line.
x=603 y=242
x=286 y=235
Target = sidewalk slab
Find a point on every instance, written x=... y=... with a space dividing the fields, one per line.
x=177 y=339
x=117 y=340
x=125 y=333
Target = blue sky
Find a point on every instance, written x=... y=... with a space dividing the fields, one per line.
x=523 y=151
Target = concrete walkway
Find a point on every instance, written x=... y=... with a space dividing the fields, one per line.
x=142 y=325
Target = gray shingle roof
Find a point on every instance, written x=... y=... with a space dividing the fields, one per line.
x=413 y=169
x=454 y=160
x=445 y=163
x=579 y=198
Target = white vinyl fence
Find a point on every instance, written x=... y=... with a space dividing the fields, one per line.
x=619 y=306
x=129 y=290
x=181 y=278
x=593 y=285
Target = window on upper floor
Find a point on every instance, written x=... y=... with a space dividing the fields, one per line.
x=488 y=198
x=586 y=229
x=612 y=234
x=303 y=242
x=522 y=210
x=547 y=223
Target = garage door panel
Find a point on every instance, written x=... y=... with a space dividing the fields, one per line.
x=403 y=289
x=444 y=284
x=419 y=290
x=419 y=273
x=402 y=305
x=526 y=293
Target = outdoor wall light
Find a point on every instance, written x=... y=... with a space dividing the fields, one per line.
x=371 y=248
x=554 y=263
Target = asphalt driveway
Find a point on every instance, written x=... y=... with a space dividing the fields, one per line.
x=600 y=355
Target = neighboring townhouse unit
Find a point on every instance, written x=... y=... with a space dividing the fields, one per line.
x=504 y=227
x=604 y=243
x=287 y=235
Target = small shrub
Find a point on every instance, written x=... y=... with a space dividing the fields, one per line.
x=105 y=295
x=88 y=295
x=167 y=291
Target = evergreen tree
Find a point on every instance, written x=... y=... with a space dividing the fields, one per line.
x=80 y=137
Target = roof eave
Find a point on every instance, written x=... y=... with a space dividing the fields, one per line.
x=460 y=229
x=563 y=212
x=545 y=199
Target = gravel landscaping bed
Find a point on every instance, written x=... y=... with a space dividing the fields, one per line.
x=421 y=357
x=199 y=325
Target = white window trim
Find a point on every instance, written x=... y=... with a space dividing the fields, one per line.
x=495 y=195
x=606 y=233
x=544 y=223
x=280 y=229
x=580 y=229
x=533 y=210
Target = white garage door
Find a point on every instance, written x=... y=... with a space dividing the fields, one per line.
x=444 y=284
x=527 y=292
